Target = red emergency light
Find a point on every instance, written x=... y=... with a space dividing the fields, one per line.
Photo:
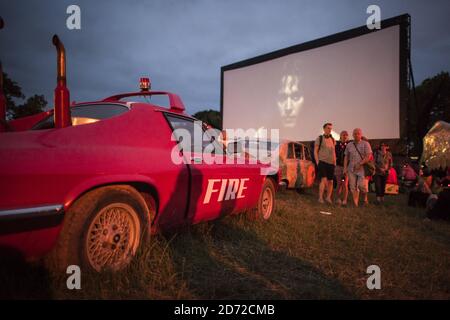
x=144 y=84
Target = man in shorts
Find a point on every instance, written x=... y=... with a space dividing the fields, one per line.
x=357 y=153
x=325 y=156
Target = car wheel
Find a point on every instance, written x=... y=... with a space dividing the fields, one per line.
x=102 y=230
x=266 y=203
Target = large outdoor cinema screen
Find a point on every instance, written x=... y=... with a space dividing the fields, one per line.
x=352 y=79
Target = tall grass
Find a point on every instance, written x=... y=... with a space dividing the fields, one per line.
x=298 y=254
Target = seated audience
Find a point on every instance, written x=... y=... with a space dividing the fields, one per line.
x=419 y=195
x=439 y=206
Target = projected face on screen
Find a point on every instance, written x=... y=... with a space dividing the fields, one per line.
x=290 y=100
x=354 y=82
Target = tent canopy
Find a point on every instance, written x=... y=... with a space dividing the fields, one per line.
x=436 y=146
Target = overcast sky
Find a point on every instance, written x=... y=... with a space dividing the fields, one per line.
x=182 y=44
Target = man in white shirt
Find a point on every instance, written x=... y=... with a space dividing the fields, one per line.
x=357 y=153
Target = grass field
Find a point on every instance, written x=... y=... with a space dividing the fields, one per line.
x=298 y=254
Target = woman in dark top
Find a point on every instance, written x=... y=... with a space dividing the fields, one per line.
x=383 y=163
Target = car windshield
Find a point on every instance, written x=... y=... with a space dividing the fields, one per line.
x=261 y=145
x=85 y=114
x=253 y=147
x=161 y=100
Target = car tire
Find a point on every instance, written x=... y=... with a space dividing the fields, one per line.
x=102 y=230
x=266 y=202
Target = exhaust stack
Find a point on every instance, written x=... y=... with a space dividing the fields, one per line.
x=62 y=96
x=2 y=94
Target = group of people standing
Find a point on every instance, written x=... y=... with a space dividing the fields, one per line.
x=349 y=162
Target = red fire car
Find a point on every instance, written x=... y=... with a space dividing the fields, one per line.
x=84 y=184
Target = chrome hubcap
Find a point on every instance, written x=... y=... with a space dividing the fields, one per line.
x=113 y=237
x=267 y=203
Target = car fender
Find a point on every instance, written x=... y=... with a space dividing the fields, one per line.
x=92 y=183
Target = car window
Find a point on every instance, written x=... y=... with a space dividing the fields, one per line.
x=85 y=114
x=298 y=150
x=261 y=144
x=181 y=128
x=307 y=154
x=98 y=111
x=189 y=126
x=290 y=151
x=161 y=100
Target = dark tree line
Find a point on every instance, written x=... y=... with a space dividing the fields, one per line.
x=17 y=105
x=211 y=117
x=429 y=103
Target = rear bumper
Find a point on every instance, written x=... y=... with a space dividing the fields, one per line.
x=29 y=219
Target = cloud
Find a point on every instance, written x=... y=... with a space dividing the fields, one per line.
x=181 y=45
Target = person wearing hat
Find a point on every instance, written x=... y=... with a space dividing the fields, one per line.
x=383 y=163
